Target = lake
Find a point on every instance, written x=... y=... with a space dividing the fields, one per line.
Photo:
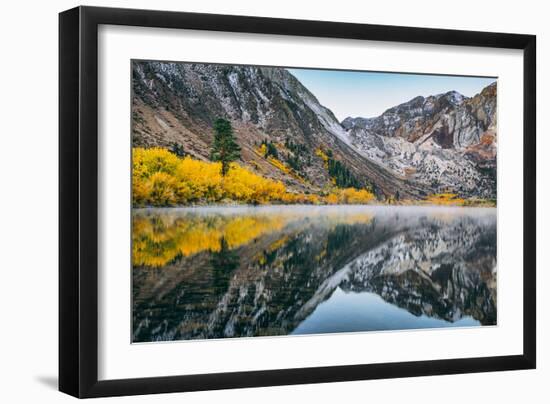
x=220 y=272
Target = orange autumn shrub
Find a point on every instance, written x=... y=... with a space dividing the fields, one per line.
x=446 y=199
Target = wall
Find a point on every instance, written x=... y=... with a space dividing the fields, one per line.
x=28 y=163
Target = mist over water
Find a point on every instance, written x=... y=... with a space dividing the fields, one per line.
x=218 y=272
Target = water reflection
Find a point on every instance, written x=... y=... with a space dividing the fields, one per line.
x=232 y=272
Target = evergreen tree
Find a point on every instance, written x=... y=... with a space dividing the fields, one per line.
x=177 y=149
x=224 y=149
x=270 y=149
x=342 y=176
x=223 y=262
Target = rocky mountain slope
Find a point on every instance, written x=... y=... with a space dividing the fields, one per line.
x=446 y=142
x=428 y=145
x=177 y=103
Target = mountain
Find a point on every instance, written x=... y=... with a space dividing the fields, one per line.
x=428 y=145
x=177 y=103
x=445 y=142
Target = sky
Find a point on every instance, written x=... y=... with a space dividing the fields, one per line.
x=369 y=94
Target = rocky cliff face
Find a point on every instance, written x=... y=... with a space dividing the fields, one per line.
x=446 y=142
x=178 y=103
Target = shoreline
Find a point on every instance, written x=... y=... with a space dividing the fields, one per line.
x=305 y=206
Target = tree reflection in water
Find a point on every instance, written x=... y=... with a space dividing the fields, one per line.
x=232 y=272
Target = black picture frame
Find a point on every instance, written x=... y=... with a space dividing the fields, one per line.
x=78 y=201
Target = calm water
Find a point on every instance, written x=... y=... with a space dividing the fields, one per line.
x=254 y=271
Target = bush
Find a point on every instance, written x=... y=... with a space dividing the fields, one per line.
x=350 y=196
x=160 y=178
x=447 y=199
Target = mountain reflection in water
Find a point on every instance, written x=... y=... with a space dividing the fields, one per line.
x=241 y=271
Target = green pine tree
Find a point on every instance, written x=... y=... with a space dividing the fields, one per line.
x=177 y=149
x=224 y=149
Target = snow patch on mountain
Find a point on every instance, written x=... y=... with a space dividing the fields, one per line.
x=430 y=140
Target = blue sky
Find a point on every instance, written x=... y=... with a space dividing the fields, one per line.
x=369 y=94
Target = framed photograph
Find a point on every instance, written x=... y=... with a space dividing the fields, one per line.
x=251 y=201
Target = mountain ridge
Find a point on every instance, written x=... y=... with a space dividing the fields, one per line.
x=177 y=103
x=446 y=141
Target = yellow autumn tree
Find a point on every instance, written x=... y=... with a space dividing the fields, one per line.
x=448 y=199
x=160 y=178
x=355 y=196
